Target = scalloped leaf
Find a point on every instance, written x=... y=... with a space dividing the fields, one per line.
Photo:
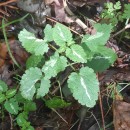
x=28 y=81
x=32 y=44
x=55 y=65
x=48 y=32
x=10 y=93
x=84 y=86
x=12 y=106
x=3 y=86
x=102 y=60
x=76 y=53
x=22 y=121
x=100 y=38
x=44 y=88
x=33 y=61
x=61 y=34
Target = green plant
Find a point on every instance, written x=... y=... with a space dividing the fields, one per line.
x=16 y=105
x=83 y=82
x=53 y=55
x=90 y=54
x=114 y=14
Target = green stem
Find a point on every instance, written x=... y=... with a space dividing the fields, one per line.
x=7 y=44
x=15 y=21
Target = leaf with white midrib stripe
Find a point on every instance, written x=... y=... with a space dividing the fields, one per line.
x=28 y=81
x=76 y=54
x=84 y=86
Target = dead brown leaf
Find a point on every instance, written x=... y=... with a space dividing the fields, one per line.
x=121 y=111
x=61 y=15
x=59 y=10
x=121 y=115
x=3 y=54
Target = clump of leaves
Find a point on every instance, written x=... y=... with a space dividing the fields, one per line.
x=14 y=103
x=83 y=83
x=113 y=12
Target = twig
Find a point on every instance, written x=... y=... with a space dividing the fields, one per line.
x=101 y=108
x=59 y=22
x=12 y=7
x=11 y=122
x=5 y=3
x=74 y=124
x=4 y=12
x=81 y=24
x=59 y=115
x=122 y=30
x=96 y=120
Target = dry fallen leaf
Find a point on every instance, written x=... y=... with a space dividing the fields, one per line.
x=3 y=54
x=121 y=115
x=61 y=15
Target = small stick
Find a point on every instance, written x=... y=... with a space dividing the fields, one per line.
x=81 y=24
x=122 y=30
x=5 y=3
x=101 y=108
x=59 y=115
x=59 y=22
x=12 y=7
x=11 y=122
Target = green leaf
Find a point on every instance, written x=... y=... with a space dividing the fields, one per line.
x=56 y=103
x=19 y=98
x=103 y=58
x=44 y=88
x=28 y=81
x=10 y=93
x=21 y=119
x=11 y=106
x=88 y=52
x=84 y=86
x=29 y=106
x=62 y=49
x=110 y=7
x=117 y=6
x=126 y=13
x=32 y=44
x=33 y=61
x=48 y=32
x=76 y=53
x=55 y=65
x=2 y=97
x=100 y=38
x=61 y=34
x=30 y=128
x=3 y=86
